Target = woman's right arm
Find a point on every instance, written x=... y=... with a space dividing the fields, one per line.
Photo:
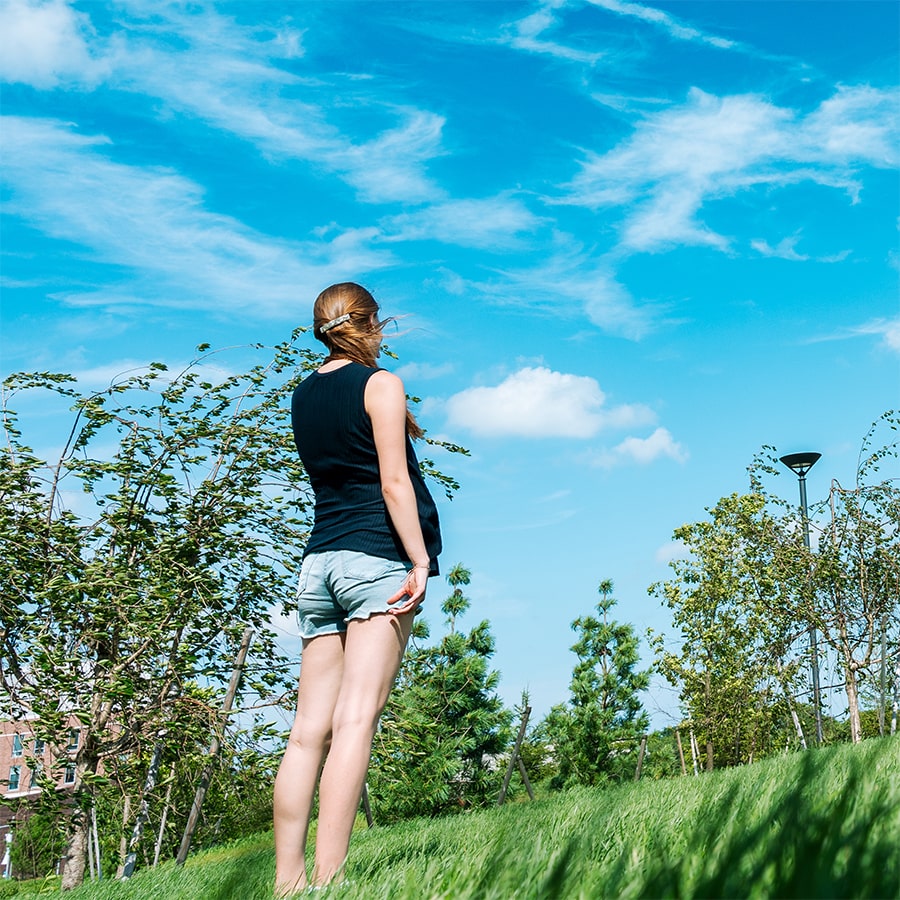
x=385 y=402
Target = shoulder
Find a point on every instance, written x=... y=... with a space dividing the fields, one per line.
x=384 y=389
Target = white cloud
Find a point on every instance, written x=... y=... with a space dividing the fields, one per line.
x=538 y=402
x=531 y=403
x=493 y=223
x=44 y=43
x=858 y=124
x=642 y=451
x=714 y=147
x=180 y=253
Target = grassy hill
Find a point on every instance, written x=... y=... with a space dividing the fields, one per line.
x=819 y=824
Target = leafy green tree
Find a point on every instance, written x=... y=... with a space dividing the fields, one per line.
x=595 y=735
x=661 y=757
x=238 y=801
x=188 y=533
x=38 y=841
x=734 y=665
x=444 y=725
x=849 y=586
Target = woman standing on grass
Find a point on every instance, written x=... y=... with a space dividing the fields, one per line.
x=374 y=544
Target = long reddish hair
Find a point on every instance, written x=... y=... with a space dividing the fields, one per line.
x=359 y=337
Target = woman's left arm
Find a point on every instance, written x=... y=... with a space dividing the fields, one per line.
x=385 y=402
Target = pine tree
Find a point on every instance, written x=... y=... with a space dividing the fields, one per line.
x=444 y=724
x=595 y=736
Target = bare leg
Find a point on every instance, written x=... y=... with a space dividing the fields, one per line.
x=321 y=671
x=372 y=656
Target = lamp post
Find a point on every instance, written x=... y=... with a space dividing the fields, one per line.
x=801 y=463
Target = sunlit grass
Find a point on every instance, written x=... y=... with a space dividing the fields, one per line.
x=819 y=824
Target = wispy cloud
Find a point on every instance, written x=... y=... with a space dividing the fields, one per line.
x=225 y=75
x=886 y=329
x=532 y=33
x=675 y=28
x=787 y=249
x=528 y=34
x=568 y=277
x=174 y=250
x=416 y=372
x=101 y=377
x=784 y=249
x=714 y=147
x=539 y=403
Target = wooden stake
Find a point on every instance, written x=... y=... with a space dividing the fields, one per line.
x=214 y=746
x=513 y=758
x=96 y=838
x=640 y=762
x=525 y=780
x=165 y=815
x=367 y=809
x=680 y=751
x=123 y=843
x=143 y=811
x=90 y=855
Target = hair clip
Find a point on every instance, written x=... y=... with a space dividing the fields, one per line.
x=334 y=323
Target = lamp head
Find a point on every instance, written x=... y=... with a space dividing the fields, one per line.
x=800 y=463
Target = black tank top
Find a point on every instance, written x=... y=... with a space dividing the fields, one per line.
x=334 y=438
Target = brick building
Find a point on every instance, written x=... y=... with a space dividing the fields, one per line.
x=23 y=758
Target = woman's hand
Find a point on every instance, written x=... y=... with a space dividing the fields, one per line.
x=413 y=589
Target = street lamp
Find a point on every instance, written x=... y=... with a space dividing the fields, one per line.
x=801 y=463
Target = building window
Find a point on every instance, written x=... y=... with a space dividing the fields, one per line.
x=73 y=739
x=17 y=745
x=36 y=771
x=69 y=776
x=15 y=772
x=38 y=747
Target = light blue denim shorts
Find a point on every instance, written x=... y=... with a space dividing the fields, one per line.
x=339 y=585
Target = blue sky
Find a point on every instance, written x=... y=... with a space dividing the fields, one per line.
x=632 y=242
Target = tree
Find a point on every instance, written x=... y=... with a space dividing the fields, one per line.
x=749 y=591
x=735 y=666
x=193 y=524
x=851 y=583
x=444 y=725
x=38 y=843
x=193 y=514
x=595 y=735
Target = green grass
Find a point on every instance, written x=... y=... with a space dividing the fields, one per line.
x=818 y=824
